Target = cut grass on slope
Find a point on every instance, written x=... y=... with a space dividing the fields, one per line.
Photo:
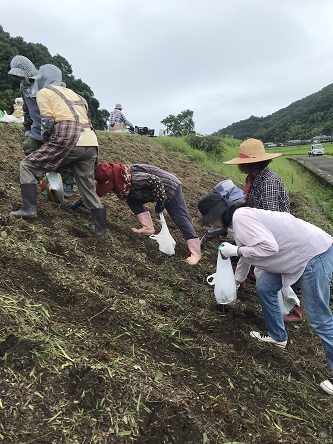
x=110 y=341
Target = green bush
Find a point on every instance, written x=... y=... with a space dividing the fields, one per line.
x=209 y=144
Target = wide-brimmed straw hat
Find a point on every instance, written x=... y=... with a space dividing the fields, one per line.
x=251 y=151
x=212 y=206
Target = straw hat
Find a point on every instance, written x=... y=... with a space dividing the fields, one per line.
x=118 y=106
x=251 y=151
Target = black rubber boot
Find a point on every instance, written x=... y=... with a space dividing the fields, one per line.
x=29 y=204
x=99 y=217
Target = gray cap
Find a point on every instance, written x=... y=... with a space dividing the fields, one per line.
x=22 y=67
x=229 y=190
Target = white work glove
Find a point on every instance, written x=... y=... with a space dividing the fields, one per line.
x=228 y=250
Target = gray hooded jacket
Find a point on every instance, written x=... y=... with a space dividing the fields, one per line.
x=33 y=81
x=48 y=75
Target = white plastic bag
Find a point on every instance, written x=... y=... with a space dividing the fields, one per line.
x=6 y=118
x=54 y=187
x=165 y=241
x=287 y=297
x=225 y=291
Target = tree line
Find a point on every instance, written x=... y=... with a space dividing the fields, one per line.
x=39 y=55
x=303 y=119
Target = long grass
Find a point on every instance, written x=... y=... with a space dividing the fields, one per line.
x=291 y=176
x=295 y=177
x=301 y=150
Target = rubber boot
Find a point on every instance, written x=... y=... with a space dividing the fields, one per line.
x=29 y=201
x=146 y=222
x=99 y=217
x=195 y=250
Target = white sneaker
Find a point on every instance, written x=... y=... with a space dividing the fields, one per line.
x=327 y=386
x=264 y=337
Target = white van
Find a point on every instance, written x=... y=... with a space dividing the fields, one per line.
x=316 y=150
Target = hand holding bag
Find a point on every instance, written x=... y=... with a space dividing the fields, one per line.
x=225 y=290
x=165 y=240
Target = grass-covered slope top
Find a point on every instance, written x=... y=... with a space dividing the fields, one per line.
x=110 y=341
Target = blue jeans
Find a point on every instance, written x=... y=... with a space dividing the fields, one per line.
x=267 y=286
x=315 y=287
x=178 y=212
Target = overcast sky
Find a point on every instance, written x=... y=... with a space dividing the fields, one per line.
x=223 y=59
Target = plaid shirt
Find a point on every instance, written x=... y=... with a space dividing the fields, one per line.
x=66 y=133
x=267 y=192
x=62 y=141
x=116 y=116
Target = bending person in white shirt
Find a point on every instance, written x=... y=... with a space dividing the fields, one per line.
x=288 y=250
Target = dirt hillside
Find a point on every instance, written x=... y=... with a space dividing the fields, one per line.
x=110 y=341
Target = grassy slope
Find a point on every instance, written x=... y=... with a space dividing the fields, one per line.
x=110 y=341
x=302 y=149
x=311 y=199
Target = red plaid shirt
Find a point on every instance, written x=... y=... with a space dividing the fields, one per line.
x=62 y=141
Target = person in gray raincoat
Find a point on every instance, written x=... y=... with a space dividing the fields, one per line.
x=22 y=70
x=69 y=139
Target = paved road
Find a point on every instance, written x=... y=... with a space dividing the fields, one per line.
x=322 y=163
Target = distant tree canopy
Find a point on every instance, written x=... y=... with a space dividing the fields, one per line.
x=179 y=125
x=39 y=55
x=303 y=119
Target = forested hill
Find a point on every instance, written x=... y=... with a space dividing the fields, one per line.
x=40 y=55
x=302 y=119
